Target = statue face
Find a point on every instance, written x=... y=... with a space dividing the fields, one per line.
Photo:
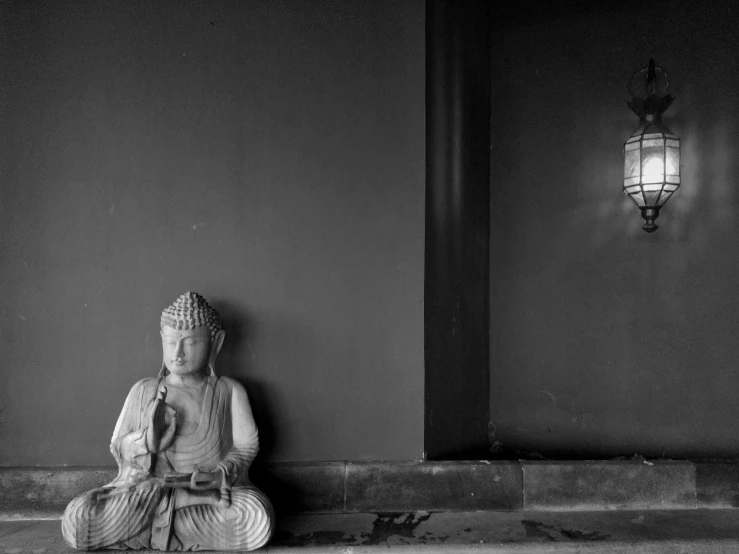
x=185 y=352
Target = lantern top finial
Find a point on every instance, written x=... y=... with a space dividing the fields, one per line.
x=649 y=88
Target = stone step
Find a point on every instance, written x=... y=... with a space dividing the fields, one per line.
x=624 y=531
x=349 y=487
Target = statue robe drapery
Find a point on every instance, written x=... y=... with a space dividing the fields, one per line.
x=135 y=510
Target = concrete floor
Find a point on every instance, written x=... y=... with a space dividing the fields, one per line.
x=650 y=531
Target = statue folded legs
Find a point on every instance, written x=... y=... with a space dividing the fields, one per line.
x=183 y=443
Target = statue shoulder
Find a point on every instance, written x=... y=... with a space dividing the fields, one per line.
x=145 y=386
x=235 y=388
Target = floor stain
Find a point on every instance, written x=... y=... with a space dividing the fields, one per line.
x=577 y=535
x=388 y=525
x=537 y=530
x=540 y=530
x=316 y=538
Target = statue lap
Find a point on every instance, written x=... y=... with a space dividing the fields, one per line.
x=141 y=518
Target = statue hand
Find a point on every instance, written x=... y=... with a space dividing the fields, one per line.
x=212 y=480
x=225 y=488
x=206 y=480
x=162 y=423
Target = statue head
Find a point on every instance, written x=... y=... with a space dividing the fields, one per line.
x=192 y=336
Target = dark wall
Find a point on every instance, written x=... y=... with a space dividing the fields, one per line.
x=268 y=155
x=607 y=341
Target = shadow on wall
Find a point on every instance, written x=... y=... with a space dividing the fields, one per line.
x=705 y=203
x=239 y=330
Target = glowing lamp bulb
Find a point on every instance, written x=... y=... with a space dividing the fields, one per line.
x=653 y=171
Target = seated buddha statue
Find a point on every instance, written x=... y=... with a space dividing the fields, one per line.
x=183 y=442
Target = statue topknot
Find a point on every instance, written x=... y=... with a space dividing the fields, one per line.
x=191 y=310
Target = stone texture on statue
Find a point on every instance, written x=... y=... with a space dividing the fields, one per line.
x=183 y=443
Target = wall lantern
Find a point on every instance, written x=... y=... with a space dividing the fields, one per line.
x=652 y=153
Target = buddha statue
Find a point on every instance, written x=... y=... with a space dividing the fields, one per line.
x=183 y=443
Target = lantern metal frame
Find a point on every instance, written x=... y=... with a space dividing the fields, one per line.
x=652 y=152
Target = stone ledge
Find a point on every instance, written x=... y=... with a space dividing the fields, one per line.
x=346 y=487
x=303 y=487
x=433 y=486
x=609 y=485
x=717 y=484
x=42 y=492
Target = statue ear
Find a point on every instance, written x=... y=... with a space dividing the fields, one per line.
x=215 y=348
x=163 y=371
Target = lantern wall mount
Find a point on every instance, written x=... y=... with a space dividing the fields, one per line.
x=652 y=153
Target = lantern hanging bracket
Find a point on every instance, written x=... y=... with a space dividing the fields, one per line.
x=650 y=99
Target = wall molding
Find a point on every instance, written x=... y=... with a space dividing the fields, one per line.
x=457 y=231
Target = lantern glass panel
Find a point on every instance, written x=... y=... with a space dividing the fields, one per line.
x=638 y=198
x=672 y=162
x=631 y=163
x=665 y=196
x=652 y=197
